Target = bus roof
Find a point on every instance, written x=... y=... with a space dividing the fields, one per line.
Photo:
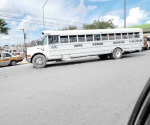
x=94 y=31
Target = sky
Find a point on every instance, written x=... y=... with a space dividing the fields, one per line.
x=58 y=14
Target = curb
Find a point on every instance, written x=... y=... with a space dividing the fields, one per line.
x=23 y=62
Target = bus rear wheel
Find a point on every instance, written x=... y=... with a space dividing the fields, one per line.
x=39 y=61
x=117 y=53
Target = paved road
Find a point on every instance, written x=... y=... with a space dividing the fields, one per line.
x=84 y=91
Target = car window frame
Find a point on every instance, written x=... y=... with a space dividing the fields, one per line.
x=137 y=115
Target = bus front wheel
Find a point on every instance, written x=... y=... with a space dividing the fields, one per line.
x=39 y=61
x=117 y=53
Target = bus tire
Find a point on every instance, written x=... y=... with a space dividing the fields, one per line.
x=117 y=53
x=13 y=63
x=103 y=57
x=39 y=61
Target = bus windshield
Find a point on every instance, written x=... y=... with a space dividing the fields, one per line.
x=39 y=42
x=36 y=43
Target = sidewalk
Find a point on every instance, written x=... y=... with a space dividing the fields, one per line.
x=24 y=61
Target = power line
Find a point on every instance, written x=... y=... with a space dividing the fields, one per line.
x=35 y=22
x=16 y=13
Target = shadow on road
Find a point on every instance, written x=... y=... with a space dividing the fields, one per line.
x=133 y=54
x=89 y=60
x=85 y=60
x=72 y=62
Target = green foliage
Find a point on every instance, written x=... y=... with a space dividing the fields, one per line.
x=145 y=27
x=3 y=27
x=100 y=25
x=95 y=25
x=70 y=28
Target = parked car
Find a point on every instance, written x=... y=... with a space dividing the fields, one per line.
x=141 y=112
x=7 y=58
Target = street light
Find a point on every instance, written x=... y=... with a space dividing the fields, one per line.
x=101 y=15
x=43 y=13
x=124 y=13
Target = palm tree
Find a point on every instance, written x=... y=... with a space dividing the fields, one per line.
x=3 y=28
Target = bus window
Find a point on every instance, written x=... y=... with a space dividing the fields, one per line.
x=124 y=36
x=97 y=37
x=111 y=37
x=130 y=35
x=64 y=39
x=118 y=35
x=73 y=39
x=53 y=39
x=104 y=37
x=89 y=37
x=137 y=35
x=81 y=38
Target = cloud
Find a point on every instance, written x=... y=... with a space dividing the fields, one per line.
x=5 y=37
x=58 y=14
x=148 y=22
x=25 y=24
x=83 y=10
x=117 y=21
x=136 y=16
x=57 y=10
x=4 y=4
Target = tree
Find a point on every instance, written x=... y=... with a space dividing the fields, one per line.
x=100 y=25
x=3 y=27
x=70 y=28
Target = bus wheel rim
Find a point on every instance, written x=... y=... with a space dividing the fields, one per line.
x=39 y=61
x=118 y=54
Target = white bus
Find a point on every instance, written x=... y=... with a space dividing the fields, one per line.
x=104 y=43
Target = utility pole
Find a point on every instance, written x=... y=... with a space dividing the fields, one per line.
x=27 y=31
x=124 y=13
x=43 y=13
x=24 y=37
